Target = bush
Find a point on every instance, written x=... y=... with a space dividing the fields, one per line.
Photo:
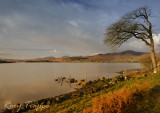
x=116 y=102
x=122 y=101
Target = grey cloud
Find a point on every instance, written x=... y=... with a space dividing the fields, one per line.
x=34 y=28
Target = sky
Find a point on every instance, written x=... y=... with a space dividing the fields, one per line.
x=41 y=28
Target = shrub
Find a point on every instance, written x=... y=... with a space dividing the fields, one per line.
x=116 y=102
x=141 y=88
x=122 y=101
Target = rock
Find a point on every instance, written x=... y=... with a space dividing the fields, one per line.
x=111 y=83
x=107 y=78
x=57 y=98
x=70 y=80
x=56 y=79
x=90 y=82
x=119 y=78
x=103 y=78
x=126 y=77
x=75 y=81
x=144 y=75
x=83 y=83
x=82 y=80
x=106 y=86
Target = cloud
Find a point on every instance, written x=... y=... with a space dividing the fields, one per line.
x=139 y=45
x=73 y=23
x=157 y=42
x=32 y=28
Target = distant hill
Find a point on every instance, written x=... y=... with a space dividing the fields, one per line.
x=48 y=58
x=128 y=52
x=6 y=61
x=120 y=57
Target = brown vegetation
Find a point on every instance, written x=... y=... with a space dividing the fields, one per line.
x=121 y=57
x=116 y=102
x=120 y=101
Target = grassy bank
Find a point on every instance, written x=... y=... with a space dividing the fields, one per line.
x=138 y=93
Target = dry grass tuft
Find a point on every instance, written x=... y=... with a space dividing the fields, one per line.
x=120 y=101
x=141 y=88
x=116 y=102
x=136 y=75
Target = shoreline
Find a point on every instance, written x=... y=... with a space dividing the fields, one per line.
x=125 y=92
x=89 y=87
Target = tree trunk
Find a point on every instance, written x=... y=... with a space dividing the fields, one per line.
x=153 y=57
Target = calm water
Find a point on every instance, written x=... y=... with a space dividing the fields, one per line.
x=21 y=82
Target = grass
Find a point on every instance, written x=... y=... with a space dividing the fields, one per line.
x=139 y=94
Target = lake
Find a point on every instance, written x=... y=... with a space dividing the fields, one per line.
x=21 y=82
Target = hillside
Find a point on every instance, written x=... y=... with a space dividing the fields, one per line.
x=128 y=52
x=128 y=56
x=121 y=57
x=125 y=56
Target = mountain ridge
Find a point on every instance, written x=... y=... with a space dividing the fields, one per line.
x=129 y=52
x=119 y=57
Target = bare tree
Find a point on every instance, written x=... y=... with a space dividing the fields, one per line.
x=133 y=24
